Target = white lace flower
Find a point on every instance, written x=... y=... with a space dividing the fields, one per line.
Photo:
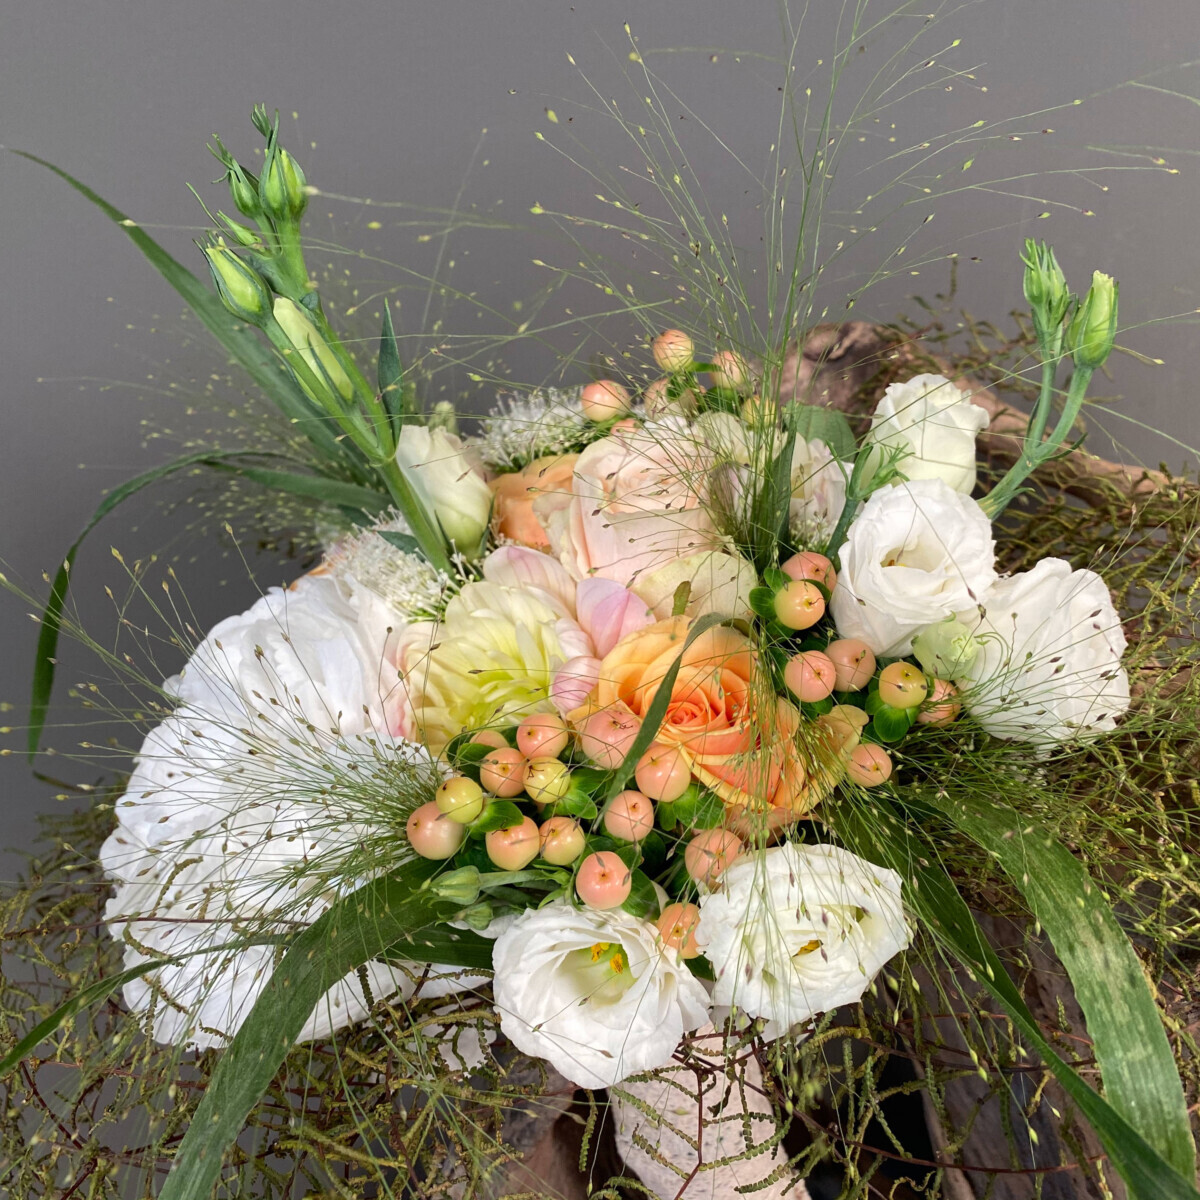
x=798 y=930
x=521 y=428
x=594 y=993
x=917 y=553
x=1048 y=666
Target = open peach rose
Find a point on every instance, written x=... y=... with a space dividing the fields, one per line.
x=635 y=503
x=514 y=515
x=736 y=736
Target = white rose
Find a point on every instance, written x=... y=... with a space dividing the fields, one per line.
x=449 y=487
x=594 y=993
x=799 y=930
x=302 y=662
x=1048 y=666
x=917 y=553
x=935 y=425
x=719 y=583
x=818 y=490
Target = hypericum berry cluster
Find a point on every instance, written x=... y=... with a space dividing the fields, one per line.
x=536 y=796
x=862 y=703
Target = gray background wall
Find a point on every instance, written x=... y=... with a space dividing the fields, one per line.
x=394 y=94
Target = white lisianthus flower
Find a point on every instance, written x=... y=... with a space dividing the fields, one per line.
x=917 y=553
x=935 y=425
x=799 y=930
x=594 y=993
x=1048 y=665
x=306 y=661
x=447 y=483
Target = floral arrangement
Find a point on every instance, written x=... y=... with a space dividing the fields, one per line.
x=630 y=704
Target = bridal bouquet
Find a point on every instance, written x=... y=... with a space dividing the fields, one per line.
x=641 y=708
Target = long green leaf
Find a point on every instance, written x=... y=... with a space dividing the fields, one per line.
x=931 y=894
x=382 y=914
x=1141 y=1080
x=332 y=490
x=242 y=344
x=47 y=645
x=315 y=487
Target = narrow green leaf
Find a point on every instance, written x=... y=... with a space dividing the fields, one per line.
x=47 y=645
x=391 y=375
x=445 y=946
x=401 y=541
x=815 y=421
x=769 y=514
x=386 y=915
x=930 y=893
x=241 y=343
x=314 y=487
x=1141 y=1080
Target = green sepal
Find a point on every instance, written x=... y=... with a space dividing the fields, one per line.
x=816 y=422
x=892 y=724
x=402 y=541
x=499 y=814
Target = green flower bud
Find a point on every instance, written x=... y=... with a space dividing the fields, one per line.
x=240 y=234
x=460 y=887
x=242 y=289
x=1094 y=326
x=307 y=339
x=283 y=189
x=444 y=417
x=478 y=916
x=946 y=649
x=1046 y=290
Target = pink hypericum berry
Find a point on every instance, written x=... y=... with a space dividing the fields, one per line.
x=869 y=765
x=629 y=817
x=854 y=662
x=673 y=350
x=543 y=735
x=709 y=853
x=603 y=880
x=799 y=604
x=810 y=675
x=503 y=772
x=514 y=849
x=608 y=735
x=942 y=706
x=808 y=564
x=677 y=925
x=663 y=773
x=434 y=835
x=604 y=400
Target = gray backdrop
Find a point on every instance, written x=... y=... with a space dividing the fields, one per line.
x=394 y=95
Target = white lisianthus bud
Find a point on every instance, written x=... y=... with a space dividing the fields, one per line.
x=934 y=424
x=945 y=650
x=1094 y=326
x=917 y=553
x=593 y=992
x=1049 y=662
x=307 y=339
x=453 y=492
x=799 y=930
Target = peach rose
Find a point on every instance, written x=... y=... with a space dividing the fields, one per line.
x=514 y=516
x=635 y=503
x=737 y=737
